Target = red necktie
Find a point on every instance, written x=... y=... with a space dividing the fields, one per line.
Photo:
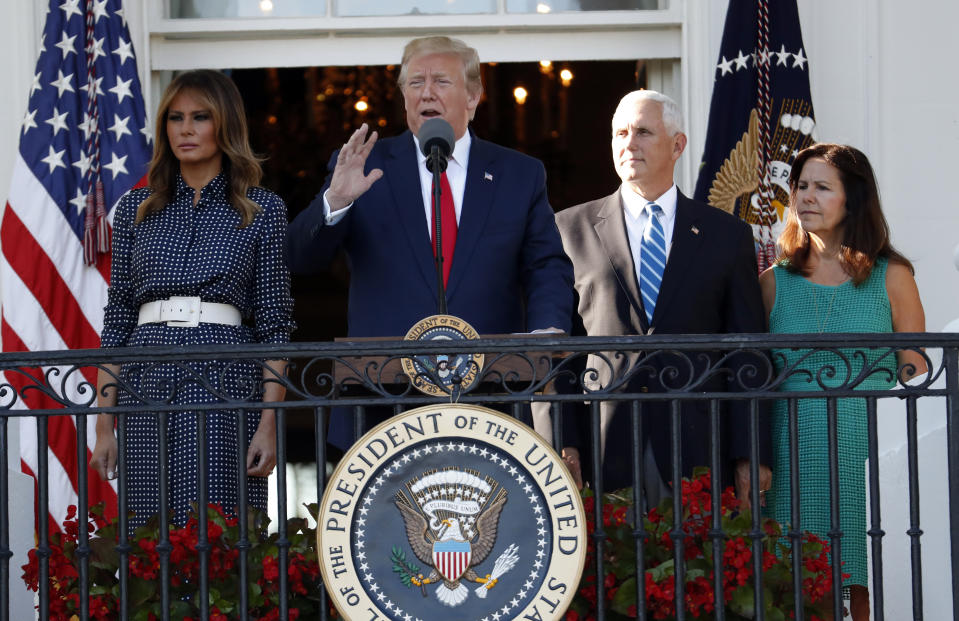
x=448 y=223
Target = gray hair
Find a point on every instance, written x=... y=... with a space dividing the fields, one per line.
x=672 y=116
x=445 y=45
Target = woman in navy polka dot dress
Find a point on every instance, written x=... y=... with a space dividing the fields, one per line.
x=203 y=241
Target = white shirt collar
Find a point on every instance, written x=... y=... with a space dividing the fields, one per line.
x=461 y=151
x=636 y=202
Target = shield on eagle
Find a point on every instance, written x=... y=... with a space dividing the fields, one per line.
x=451 y=558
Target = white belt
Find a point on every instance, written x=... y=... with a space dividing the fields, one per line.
x=188 y=312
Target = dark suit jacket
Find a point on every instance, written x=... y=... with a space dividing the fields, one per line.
x=710 y=286
x=509 y=271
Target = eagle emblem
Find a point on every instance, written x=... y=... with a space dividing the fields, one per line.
x=451 y=518
x=735 y=188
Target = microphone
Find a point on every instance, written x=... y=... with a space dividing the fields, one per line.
x=436 y=142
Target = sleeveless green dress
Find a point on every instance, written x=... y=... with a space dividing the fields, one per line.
x=805 y=307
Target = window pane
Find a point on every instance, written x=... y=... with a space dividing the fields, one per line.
x=246 y=8
x=558 y=6
x=353 y=8
x=341 y=8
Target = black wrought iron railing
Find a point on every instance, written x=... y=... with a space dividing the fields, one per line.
x=578 y=379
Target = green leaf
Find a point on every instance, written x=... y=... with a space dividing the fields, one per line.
x=699 y=471
x=142 y=591
x=774 y=612
x=742 y=602
x=625 y=596
x=180 y=609
x=663 y=570
x=313 y=509
x=100 y=590
x=141 y=614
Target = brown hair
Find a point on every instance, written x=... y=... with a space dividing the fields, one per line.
x=865 y=230
x=240 y=164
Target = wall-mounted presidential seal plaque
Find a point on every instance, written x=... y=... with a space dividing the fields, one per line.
x=442 y=374
x=451 y=511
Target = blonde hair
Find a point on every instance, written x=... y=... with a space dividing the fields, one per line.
x=240 y=165
x=445 y=45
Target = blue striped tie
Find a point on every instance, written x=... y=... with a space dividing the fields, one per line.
x=653 y=256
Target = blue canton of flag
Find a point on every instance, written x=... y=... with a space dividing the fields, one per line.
x=760 y=117
x=64 y=138
x=84 y=142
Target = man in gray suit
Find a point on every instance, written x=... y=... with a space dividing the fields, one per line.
x=645 y=259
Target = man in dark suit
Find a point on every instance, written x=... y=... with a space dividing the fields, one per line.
x=508 y=271
x=691 y=271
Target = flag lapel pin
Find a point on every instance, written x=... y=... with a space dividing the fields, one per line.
x=487 y=176
x=695 y=230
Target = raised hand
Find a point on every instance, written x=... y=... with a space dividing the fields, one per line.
x=349 y=181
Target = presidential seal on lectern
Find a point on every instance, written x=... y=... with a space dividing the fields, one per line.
x=451 y=511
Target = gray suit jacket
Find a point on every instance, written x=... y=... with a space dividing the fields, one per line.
x=710 y=286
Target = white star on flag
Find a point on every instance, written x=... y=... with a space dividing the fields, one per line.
x=83 y=164
x=97 y=50
x=66 y=45
x=79 y=201
x=119 y=127
x=122 y=89
x=763 y=56
x=99 y=10
x=86 y=126
x=124 y=50
x=799 y=60
x=71 y=7
x=62 y=83
x=28 y=120
x=54 y=159
x=58 y=121
x=725 y=66
x=741 y=60
x=97 y=85
x=783 y=56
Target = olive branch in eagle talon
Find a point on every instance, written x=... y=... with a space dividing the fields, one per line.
x=451 y=525
x=407 y=571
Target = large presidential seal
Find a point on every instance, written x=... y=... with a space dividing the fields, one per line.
x=451 y=511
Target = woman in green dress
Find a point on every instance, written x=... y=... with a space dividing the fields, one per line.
x=837 y=273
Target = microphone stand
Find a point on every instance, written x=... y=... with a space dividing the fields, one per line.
x=436 y=162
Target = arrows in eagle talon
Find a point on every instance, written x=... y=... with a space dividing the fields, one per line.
x=503 y=564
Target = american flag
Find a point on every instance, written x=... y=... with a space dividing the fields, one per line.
x=84 y=142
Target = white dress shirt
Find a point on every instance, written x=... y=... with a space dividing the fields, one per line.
x=634 y=213
x=455 y=174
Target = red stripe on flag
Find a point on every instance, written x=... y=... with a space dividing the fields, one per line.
x=61 y=432
x=38 y=273
x=103 y=262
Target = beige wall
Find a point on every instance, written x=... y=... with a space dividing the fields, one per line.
x=884 y=79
